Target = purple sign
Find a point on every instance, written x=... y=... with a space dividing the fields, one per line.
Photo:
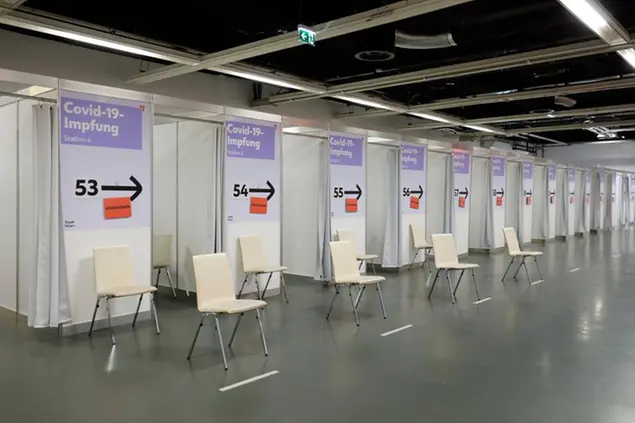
x=249 y=140
x=346 y=150
x=571 y=175
x=461 y=162
x=552 y=172
x=413 y=157
x=498 y=165
x=528 y=170
x=96 y=124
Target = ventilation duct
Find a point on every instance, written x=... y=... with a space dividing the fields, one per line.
x=564 y=101
x=423 y=42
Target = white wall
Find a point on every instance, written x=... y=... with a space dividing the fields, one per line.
x=8 y=192
x=540 y=200
x=435 y=216
x=380 y=161
x=300 y=188
x=513 y=194
x=480 y=198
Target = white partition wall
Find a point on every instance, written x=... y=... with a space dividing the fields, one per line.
x=382 y=204
x=631 y=189
x=580 y=199
x=348 y=186
x=624 y=199
x=544 y=202
x=513 y=195
x=609 y=202
x=526 y=202
x=438 y=216
x=571 y=196
x=551 y=203
x=487 y=214
x=616 y=190
x=499 y=202
x=301 y=176
x=252 y=199
x=587 y=208
x=562 y=201
x=460 y=222
x=413 y=196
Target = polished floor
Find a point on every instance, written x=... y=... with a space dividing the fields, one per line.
x=561 y=351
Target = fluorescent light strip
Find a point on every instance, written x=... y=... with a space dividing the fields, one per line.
x=259 y=78
x=430 y=117
x=628 y=55
x=368 y=103
x=587 y=12
x=481 y=128
x=69 y=35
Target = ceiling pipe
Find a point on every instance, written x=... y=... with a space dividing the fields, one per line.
x=423 y=42
x=383 y=15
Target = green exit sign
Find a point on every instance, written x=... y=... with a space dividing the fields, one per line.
x=306 y=35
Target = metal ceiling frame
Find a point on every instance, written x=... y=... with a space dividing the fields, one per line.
x=556 y=128
x=566 y=52
x=380 y=16
x=531 y=116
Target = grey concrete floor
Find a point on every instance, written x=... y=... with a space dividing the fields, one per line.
x=561 y=351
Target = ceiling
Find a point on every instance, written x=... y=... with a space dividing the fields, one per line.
x=481 y=29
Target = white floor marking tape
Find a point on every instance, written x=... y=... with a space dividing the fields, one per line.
x=537 y=282
x=482 y=301
x=616 y=255
x=574 y=270
x=250 y=380
x=396 y=330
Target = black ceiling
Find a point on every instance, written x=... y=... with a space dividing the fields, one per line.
x=481 y=28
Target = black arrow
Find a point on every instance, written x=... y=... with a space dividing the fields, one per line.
x=552 y=192
x=501 y=192
x=420 y=191
x=271 y=190
x=529 y=193
x=137 y=188
x=358 y=192
x=466 y=192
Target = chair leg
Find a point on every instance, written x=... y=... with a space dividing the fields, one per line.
x=527 y=272
x=264 y=291
x=220 y=340
x=508 y=267
x=426 y=260
x=284 y=287
x=231 y=340
x=372 y=264
x=200 y=325
x=136 y=314
x=92 y=323
x=447 y=277
x=153 y=306
x=381 y=300
x=456 y=287
x=243 y=285
x=167 y=271
x=256 y=278
x=359 y=295
x=112 y=332
x=262 y=332
x=337 y=291
x=350 y=294
x=519 y=266
x=478 y=295
x=361 y=262
x=538 y=267
x=412 y=262
x=433 y=283
x=158 y=277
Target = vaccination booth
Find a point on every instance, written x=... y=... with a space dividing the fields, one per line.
x=544 y=205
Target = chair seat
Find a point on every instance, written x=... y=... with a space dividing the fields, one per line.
x=423 y=246
x=362 y=280
x=126 y=291
x=367 y=256
x=458 y=266
x=526 y=253
x=230 y=306
x=267 y=269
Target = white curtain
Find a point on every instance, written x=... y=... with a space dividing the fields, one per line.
x=449 y=222
x=595 y=201
x=216 y=211
x=624 y=199
x=562 y=202
x=48 y=297
x=323 y=268
x=391 y=245
x=608 y=200
x=488 y=232
x=520 y=188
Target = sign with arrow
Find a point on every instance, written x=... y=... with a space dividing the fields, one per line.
x=348 y=175
x=413 y=180
x=252 y=171
x=105 y=162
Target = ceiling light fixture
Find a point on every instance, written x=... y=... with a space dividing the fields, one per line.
x=628 y=55
x=594 y=17
x=368 y=103
x=264 y=79
x=429 y=116
x=482 y=128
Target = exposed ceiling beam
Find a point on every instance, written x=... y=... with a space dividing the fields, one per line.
x=511 y=61
x=538 y=129
x=383 y=15
x=576 y=88
x=7 y=6
x=531 y=116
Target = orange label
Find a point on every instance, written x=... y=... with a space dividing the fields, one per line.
x=528 y=201
x=462 y=202
x=117 y=208
x=499 y=201
x=257 y=205
x=571 y=199
x=414 y=203
x=351 y=205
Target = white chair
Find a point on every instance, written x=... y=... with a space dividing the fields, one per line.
x=255 y=263
x=215 y=294
x=162 y=259
x=347 y=235
x=346 y=272
x=114 y=278
x=514 y=251
x=447 y=260
x=420 y=243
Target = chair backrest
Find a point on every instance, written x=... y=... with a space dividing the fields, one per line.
x=444 y=250
x=418 y=235
x=344 y=259
x=512 y=240
x=162 y=250
x=113 y=267
x=251 y=253
x=213 y=278
x=345 y=235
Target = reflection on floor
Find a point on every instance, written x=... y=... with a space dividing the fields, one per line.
x=561 y=351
